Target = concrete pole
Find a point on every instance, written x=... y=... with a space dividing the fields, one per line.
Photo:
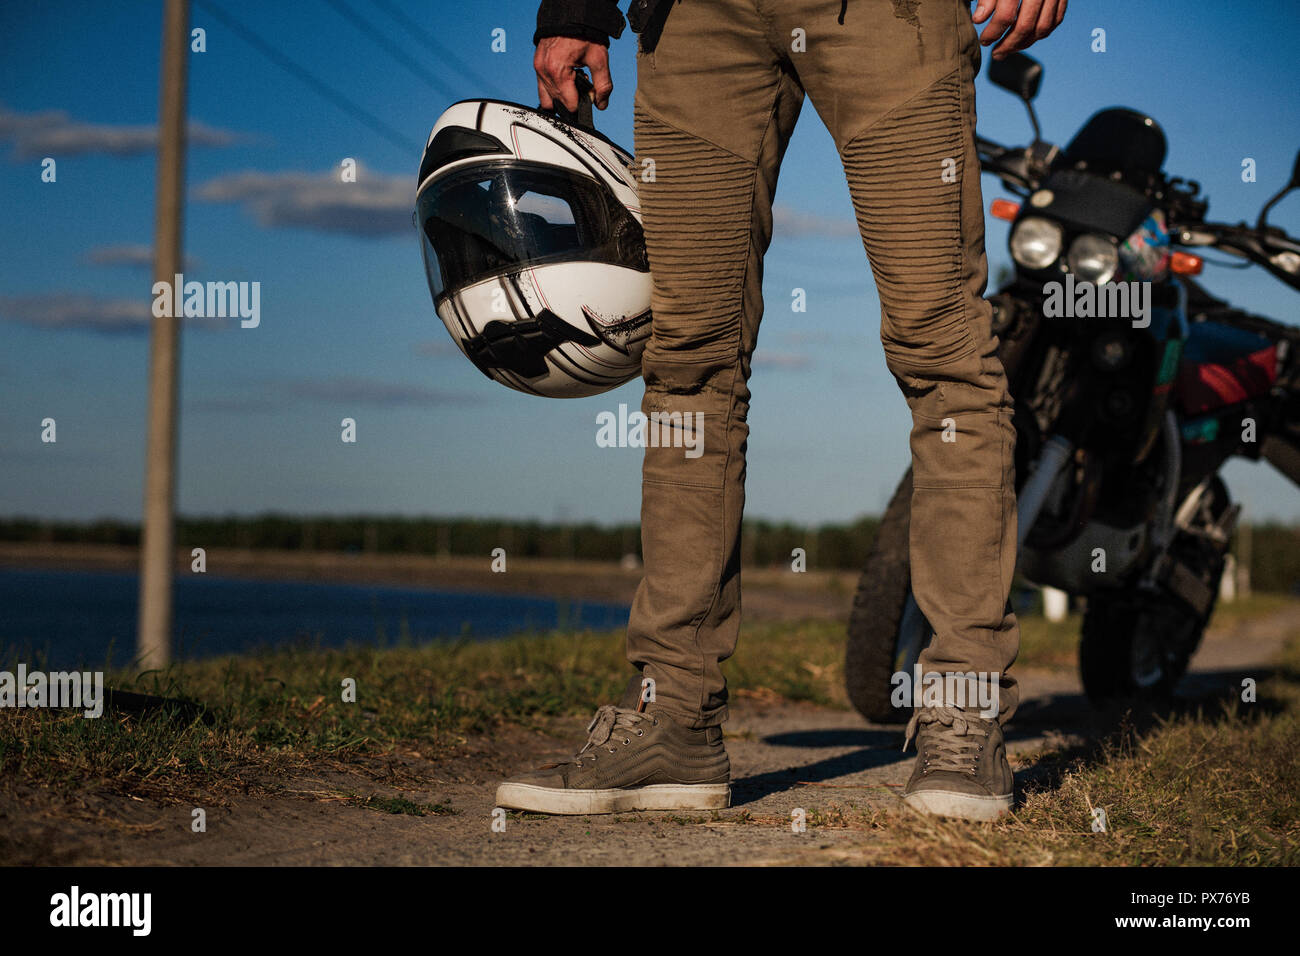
x=1245 y=557
x=1228 y=580
x=156 y=557
x=1056 y=605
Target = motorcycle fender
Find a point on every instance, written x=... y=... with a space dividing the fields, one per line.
x=1100 y=557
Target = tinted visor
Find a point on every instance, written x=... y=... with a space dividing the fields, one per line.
x=497 y=218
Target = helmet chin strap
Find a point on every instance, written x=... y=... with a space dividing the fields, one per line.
x=582 y=118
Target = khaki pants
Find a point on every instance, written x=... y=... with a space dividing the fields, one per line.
x=716 y=101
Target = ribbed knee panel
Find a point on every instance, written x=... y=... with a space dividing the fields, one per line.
x=905 y=176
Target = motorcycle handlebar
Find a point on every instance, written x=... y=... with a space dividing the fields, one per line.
x=1009 y=164
x=1272 y=249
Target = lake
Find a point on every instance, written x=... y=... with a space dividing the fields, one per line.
x=67 y=619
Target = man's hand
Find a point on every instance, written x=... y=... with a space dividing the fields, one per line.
x=555 y=60
x=1035 y=20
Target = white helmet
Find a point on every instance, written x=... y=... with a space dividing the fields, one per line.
x=532 y=241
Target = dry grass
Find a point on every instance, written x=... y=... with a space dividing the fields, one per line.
x=1218 y=787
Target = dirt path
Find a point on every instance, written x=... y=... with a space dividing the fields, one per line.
x=784 y=756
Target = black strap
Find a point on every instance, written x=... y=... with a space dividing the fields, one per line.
x=639 y=13
x=582 y=118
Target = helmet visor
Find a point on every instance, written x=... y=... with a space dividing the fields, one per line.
x=496 y=218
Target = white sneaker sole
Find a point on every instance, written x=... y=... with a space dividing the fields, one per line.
x=964 y=806
x=658 y=796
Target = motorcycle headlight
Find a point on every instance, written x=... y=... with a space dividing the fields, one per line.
x=1036 y=242
x=1112 y=352
x=1093 y=258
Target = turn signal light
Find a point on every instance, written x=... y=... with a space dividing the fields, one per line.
x=1186 y=264
x=1005 y=209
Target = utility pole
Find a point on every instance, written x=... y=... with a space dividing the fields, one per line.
x=159 y=534
x=1244 y=555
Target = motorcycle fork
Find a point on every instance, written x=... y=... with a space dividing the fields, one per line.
x=1179 y=579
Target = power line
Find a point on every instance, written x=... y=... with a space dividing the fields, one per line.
x=434 y=46
x=393 y=50
x=322 y=88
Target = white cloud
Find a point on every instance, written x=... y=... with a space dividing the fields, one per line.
x=62 y=311
x=374 y=206
x=791 y=223
x=126 y=254
x=130 y=254
x=363 y=391
x=54 y=133
x=785 y=360
x=436 y=349
x=345 y=391
x=81 y=312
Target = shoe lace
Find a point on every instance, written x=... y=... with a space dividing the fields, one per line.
x=953 y=739
x=602 y=728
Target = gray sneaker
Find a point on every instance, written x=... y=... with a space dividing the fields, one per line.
x=632 y=761
x=961 y=765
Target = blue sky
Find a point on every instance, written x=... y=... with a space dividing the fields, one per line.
x=347 y=327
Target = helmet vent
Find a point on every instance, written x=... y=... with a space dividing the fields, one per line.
x=456 y=143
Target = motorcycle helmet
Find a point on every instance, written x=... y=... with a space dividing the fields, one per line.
x=531 y=235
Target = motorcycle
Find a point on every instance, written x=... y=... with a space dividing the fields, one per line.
x=1132 y=385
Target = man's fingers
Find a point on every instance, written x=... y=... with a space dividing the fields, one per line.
x=1022 y=35
x=557 y=73
x=568 y=89
x=554 y=62
x=539 y=67
x=543 y=94
x=602 y=83
x=1050 y=18
x=559 y=83
x=550 y=89
x=983 y=10
x=1004 y=15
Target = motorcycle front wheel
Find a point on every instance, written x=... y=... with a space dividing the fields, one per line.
x=1136 y=647
x=887 y=631
x=1137 y=644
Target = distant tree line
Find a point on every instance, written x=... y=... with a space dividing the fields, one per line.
x=1275 y=549
x=764 y=542
x=1274 y=556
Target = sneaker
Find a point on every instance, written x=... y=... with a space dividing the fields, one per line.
x=633 y=760
x=961 y=765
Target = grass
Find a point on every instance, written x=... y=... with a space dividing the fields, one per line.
x=1219 y=786
x=1198 y=790
x=1215 y=785
x=274 y=712
x=1045 y=643
x=278 y=711
x=400 y=805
